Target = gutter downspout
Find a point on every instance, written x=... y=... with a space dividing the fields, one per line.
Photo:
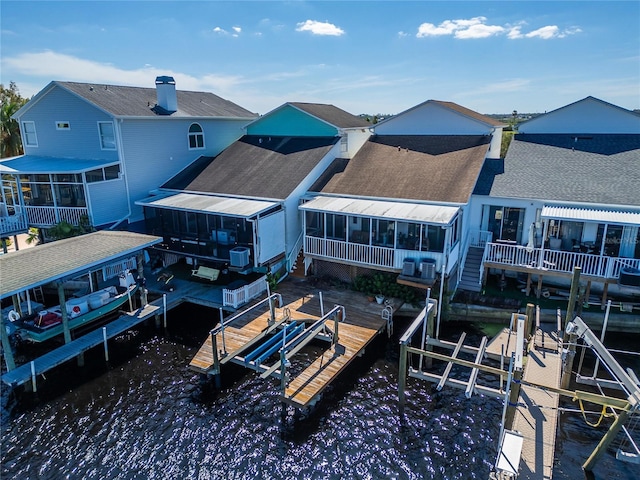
x=445 y=266
x=118 y=122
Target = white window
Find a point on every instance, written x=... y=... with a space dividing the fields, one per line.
x=30 y=137
x=344 y=144
x=107 y=136
x=62 y=125
x=196 y=137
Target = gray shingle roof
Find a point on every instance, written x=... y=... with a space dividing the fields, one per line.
x=438 y=168
x=140 y=102
x=256 y=167
x=599 y=169
x=332 y=115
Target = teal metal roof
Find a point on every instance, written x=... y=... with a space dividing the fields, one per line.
x=36 y=164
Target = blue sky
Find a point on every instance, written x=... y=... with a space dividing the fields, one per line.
x=362 y=56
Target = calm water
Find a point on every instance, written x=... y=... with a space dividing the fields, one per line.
x=147 y=416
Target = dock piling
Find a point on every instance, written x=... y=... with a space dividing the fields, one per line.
x=106 y=347
x=33 y=377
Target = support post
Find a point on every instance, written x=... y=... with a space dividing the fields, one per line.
x=606 y=440
x=65 y=316
x=142 y=281
x=514 y=395
x=529 y=324
x=164 y=309
x=539 y=290
x=575 y=285
x=214 y=351
x=402 y=377
x=568 y=354
x=106 y=346
x=34 y=386
x=6 y=347
x=427 y=331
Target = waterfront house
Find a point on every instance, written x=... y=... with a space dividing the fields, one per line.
x=92 y=150
x=239 y=209
x=567 y=194
x=400 y=204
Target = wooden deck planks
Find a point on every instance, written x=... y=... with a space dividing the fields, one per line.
x=303 y=389
x=362 y=323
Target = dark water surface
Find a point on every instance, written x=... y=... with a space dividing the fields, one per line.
x=146 y=416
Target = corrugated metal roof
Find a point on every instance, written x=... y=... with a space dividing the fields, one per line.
x=412 y=212
x=36 y=164
x=591 y=215
x=236 y=207
x=31 y=267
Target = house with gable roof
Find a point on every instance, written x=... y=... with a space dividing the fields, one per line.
x=566 y=194
x=239 y=209
x=92 y=150
x=401 y=203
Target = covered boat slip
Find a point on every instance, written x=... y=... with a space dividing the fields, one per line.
x=252 y=338
x=64 y=260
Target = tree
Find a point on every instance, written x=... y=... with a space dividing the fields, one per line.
x=10 y=102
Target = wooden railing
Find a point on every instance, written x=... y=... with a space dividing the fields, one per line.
x=365 y=255
x=240 y=296
x=49 y=216
x=557 y=260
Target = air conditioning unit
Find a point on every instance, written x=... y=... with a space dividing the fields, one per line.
x=428 y=269
x=409 y=267
x=239 y=256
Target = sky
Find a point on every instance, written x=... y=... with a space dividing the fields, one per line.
x=362 y=56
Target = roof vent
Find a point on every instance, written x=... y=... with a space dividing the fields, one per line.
x=166 y=93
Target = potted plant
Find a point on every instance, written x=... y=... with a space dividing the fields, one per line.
x=379 y=298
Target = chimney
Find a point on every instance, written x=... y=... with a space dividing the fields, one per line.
x=166 y=91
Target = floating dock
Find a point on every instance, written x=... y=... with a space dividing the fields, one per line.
x=360 y=322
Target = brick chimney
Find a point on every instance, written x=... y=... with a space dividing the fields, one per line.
x=166 y=92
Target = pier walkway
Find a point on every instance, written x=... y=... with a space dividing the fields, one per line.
x=362 y=323
x=29 y=371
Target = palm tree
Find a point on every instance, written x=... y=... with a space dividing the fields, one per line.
x=11 y=102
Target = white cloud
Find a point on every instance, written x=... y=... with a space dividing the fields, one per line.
x=237 y=29
x=219 y=30
x=477 y=27
x=320 y=28
x=51 y=65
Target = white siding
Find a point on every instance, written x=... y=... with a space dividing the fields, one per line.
x=270 y=236
x=108 y=201
x=155 y=150
x=586 y=116
x=357 y=138
x=432 y=119
x=81 y=140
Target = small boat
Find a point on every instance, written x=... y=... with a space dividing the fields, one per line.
x=81 y=311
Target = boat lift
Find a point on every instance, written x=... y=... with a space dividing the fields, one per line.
x=283 y=336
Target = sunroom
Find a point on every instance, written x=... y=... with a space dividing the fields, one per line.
x=378 y=234
x=242 y=234
x=43 y=191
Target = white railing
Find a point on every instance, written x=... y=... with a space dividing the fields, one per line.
x=365 y=255
x=557 y=260
x=240 y=296
x=12 y=224
x=49 y=216
x=479 y=238
x=294 y=252
x=115 y=269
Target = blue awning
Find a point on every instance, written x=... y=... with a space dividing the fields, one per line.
x=26 y=164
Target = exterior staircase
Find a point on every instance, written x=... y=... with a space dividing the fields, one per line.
x=297 y=268
x=470 y=280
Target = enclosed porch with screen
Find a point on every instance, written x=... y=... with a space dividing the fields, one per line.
x=378 y=234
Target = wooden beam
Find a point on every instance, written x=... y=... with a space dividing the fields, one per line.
x=447 y=370
x=474 y=371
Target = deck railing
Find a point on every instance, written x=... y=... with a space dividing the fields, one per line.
x=49 y=216
x=240 y=296
x=365 y=255
x=13 y=224
x=557 y=260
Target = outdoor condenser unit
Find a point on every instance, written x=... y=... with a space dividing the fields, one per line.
x=239 y=256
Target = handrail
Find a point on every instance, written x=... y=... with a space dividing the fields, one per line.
x=229 y=320
x=465 y=251
x=297 y=246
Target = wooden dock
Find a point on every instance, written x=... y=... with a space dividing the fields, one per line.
x=362 y=323
x=536 y=416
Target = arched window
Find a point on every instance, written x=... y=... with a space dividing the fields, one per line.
x=196 y=137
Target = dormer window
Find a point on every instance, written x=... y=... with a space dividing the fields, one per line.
x=196 y=137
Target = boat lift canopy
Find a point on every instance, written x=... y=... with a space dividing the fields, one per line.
x=33 y=267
